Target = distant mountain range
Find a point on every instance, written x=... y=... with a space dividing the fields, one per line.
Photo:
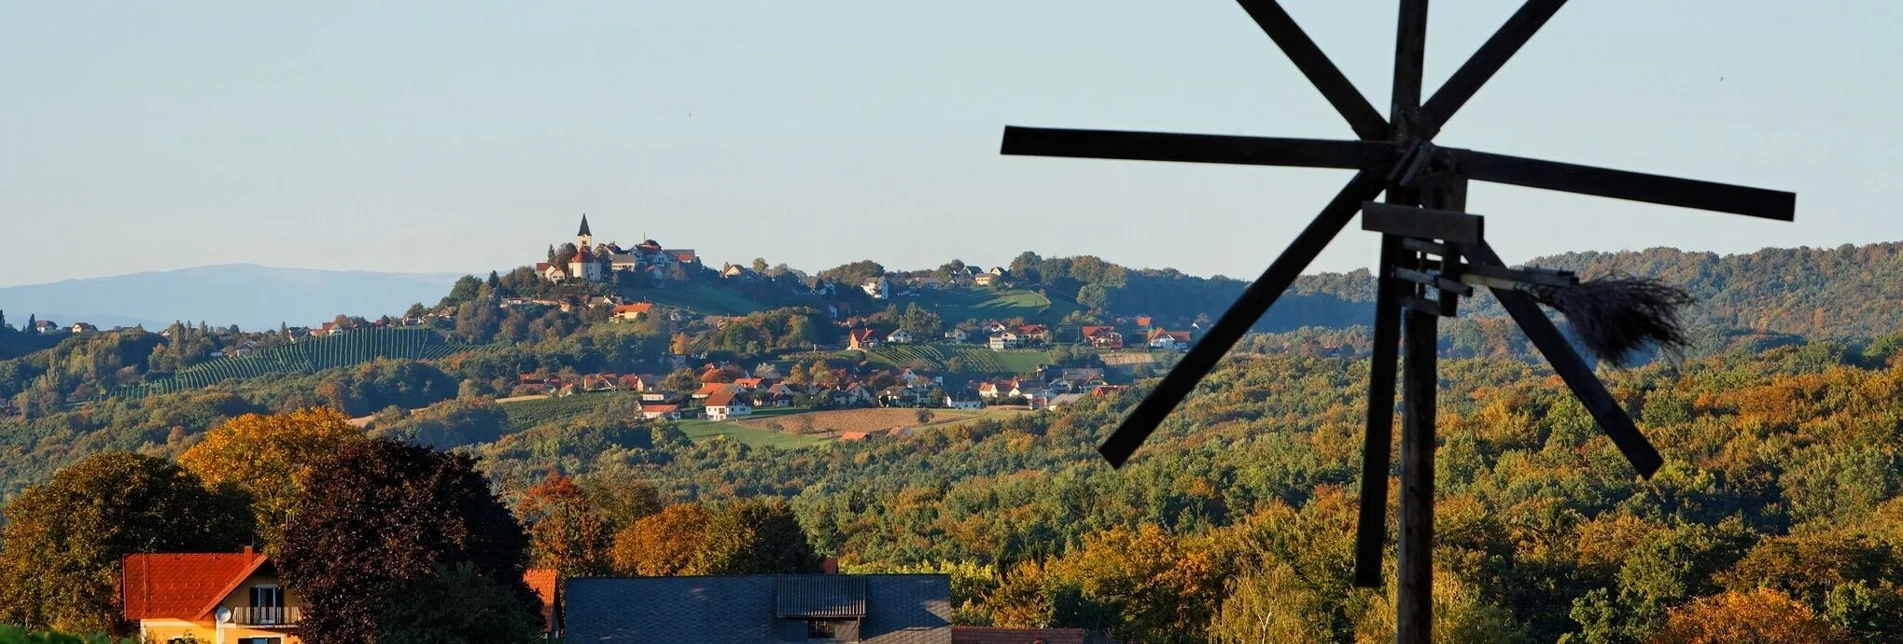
x=250 y=296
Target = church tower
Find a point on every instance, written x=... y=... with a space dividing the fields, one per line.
x=583 y=238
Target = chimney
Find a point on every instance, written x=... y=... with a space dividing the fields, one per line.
x=247 y=550
x=830 y=566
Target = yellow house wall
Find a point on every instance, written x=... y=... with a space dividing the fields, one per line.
x=209 y=632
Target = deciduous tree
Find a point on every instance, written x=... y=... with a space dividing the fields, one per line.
x=668 y=543
x=566 y=532
x=61 y=548
x=266 y=456
x=378 y=513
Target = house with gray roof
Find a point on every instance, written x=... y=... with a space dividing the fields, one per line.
x=801 y=609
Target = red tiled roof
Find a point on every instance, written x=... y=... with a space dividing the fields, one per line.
x=724 y=397
x=988 y=635
x=660 y=409
x=182 y=585
x=542 y=581
x=642 y=307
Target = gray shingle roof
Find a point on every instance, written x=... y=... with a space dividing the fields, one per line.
x=898 y=609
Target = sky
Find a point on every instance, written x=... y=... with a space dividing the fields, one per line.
x=468 y=136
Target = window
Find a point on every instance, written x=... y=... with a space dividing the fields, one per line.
x=266 y=597
x=260 y=640
x=822 y=630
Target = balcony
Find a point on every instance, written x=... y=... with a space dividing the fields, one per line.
x=266 y=616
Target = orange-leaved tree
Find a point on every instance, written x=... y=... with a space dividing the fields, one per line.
x=1762 y=616
x=667 y=543
x=566 y=531
x=266 y=455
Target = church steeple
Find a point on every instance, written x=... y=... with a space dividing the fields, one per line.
x=583 y=238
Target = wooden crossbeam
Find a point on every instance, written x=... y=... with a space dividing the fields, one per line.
x=1573 y=370
x=1631 y=186
x=1255 y=300
x=1486 y=62
x=1422 y=223
x=1328 y=79
x=1194 y=148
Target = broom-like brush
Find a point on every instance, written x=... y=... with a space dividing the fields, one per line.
x=1616 y=316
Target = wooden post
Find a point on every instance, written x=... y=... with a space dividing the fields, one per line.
x=1414 y=605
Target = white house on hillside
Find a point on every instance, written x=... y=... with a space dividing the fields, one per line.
x=728 y=404
x=879 y=288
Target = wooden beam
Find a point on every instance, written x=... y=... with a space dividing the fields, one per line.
x=1334 y=86
x=1486 y=62
x=1437 y=282
x=1410 y=55
x=1194 y=148
x=1422 y=223
x=1632 y=186
x=1371 y=526
x=1572 y=369
x=1414 y=606
x=1255 y=301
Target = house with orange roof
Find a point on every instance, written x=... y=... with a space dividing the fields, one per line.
x=237 y=597
x=1161 y=339
x=208 y=597
x=1102 y=337
x=862 y=338
x=632 y=312
x=728 y=403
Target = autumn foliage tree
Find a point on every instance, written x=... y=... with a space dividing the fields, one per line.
x=1762 y=616
x=566 y=531
x=378 y=514
x=266 y=456
x=61 y=548
x=667 y=543
x=757 y=537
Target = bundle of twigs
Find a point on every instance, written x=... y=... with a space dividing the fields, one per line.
x=1616 y=316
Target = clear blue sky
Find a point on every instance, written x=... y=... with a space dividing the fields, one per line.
x=467 y=136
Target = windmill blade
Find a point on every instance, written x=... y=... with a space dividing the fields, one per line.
x=1194 y=148
x=1631 y=186
x=1487 y=61
x=1327 y=78
x=1371 y=526
x=1255 y=301
x=1567 y=363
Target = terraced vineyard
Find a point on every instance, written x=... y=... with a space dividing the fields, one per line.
x=317 y=354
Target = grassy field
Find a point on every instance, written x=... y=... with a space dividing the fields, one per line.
x=975 y=359
x=700 y=297
x=751 y=436
x=524 y=414
x=960 y=304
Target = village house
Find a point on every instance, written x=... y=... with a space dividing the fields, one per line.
x=728 y=403
x=736 y=271
x=964 y=399
x=233 y=597
x=1161 y=339
x=1005 y=340
x=880 y=288
x=84 y=327
x=660 y=411
x=854 y=395
x=48 y=327
x=862 y=339
x=1102 y=337
x=900 y=336
x=1034 y=333
x=957 y=335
